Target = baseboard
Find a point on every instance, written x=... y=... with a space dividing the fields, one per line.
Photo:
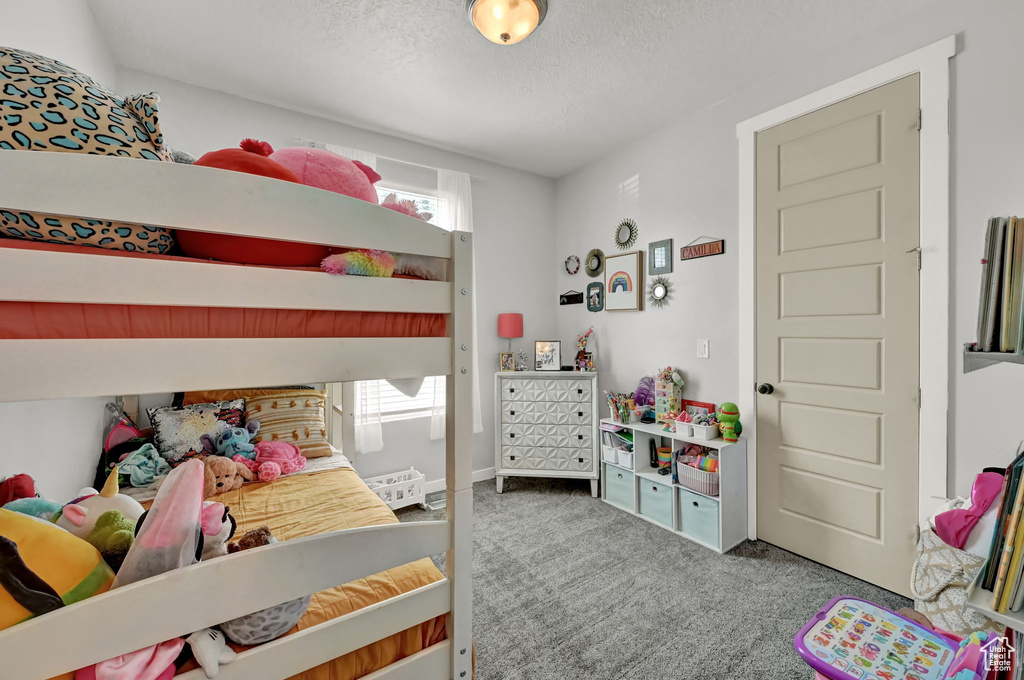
x=436 y=485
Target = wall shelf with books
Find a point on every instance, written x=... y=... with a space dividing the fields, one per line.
x=980 y=600
x=1001 y=300
x=975 y=360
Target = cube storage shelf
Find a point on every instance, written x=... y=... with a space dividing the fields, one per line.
x=717 y=522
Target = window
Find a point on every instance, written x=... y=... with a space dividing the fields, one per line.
x=424 y=201
x=395 y=405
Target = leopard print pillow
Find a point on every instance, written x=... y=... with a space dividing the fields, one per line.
x=48 y=106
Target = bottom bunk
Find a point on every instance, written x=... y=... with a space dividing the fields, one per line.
x=328 y=523
x=319 y=503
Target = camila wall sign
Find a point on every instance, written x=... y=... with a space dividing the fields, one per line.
x=692 y=252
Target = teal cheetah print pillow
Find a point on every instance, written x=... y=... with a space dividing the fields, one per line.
x=48 y=106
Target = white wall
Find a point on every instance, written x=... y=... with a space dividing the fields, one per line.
x=688 y=188
x=57 y=442
x=62 y=29
x=513 y=213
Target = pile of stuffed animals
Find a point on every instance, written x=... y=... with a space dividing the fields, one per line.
x=53 y=554
x=97 y=542
x=42 y=106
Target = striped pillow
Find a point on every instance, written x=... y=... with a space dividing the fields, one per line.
x=294 y=415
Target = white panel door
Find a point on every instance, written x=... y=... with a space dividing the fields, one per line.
x=837 y=334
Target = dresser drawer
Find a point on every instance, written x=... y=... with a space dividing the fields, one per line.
x=618 y=487
x=565 y=459
x=514 y=412
x=698 y=517
x=513 y=390
x=515 y=458
x=656 y=501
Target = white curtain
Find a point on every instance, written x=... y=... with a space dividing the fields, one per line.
x=365 y=157
x=455 y=212
x=369 y=437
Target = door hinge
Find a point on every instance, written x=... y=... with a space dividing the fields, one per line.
x=919 y=120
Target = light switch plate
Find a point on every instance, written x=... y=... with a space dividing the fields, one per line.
x=703 y=349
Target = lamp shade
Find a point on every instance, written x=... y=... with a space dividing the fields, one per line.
x=510 y=325
x=506 y=22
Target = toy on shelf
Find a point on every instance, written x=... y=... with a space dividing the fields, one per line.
x=853 y=639
x=644 y=394
x=668 y=392
x=582 y=363
x=113 y=536
x=728 y=416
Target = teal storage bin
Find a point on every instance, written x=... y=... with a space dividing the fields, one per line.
x=656 y=501
x=618 y=485
x=698 y=518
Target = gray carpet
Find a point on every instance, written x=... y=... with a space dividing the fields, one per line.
x=567 y=587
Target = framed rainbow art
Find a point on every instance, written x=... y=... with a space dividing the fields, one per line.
x=624 y=282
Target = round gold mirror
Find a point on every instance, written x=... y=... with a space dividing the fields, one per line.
x=659 y=291
x=625 y=234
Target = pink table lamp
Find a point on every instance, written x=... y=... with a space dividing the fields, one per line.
x=510 y=326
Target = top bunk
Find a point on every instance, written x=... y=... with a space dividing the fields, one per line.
x=336 y=328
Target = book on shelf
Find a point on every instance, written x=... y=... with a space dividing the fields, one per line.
x=996 y=550
x=1001 y=297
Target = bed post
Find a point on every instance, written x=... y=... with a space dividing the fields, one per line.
x=459 y=458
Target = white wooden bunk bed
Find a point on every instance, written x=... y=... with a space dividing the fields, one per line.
x=189 y=599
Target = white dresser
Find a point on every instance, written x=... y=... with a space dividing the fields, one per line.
x=546 y=424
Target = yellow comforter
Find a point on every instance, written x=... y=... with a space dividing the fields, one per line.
x=320 y=502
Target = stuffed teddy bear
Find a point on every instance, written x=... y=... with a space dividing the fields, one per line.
x=80 y=515
x=273 y=459
x=49 y=106
x=254 y=538
x=251 y=158
x=224 y=474
x=236 y=441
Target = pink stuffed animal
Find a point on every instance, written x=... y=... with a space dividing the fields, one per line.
x=325 y=170
x=273 y=459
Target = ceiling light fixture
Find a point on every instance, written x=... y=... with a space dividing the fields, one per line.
x=506 y=22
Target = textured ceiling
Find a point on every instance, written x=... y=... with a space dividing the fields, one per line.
x=596 y=74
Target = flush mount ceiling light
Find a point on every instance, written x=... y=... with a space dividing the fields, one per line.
x=506 y=22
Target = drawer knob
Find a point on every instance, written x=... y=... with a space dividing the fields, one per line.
x=695 y=504
x=620 y=477
x=579 y=413
x=579 y=390
x=580 y=459
x=511 y=390
x=580 y=437
x=511 y=413
x=513 y=458
x=512 y=435
x=654 y=489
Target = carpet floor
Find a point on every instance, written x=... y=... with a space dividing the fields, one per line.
x=566 y=587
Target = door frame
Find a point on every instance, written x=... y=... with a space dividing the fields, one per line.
x=932 y=62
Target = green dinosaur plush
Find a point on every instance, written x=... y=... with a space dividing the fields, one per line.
x=113 y=535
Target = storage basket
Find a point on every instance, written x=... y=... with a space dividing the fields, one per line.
x=399 y=489
x=610 y=454
x=694 y=479
x=626 y=459
x=707 y=432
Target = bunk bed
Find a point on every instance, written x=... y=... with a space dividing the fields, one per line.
x=53 y=365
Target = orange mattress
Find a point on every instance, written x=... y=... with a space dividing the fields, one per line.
x=53 y=320
x=294 y=507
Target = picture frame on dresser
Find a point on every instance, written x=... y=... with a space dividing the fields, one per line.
x=547 y=355
x=546 y=426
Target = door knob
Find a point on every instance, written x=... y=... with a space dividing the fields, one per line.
x=765 y=388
